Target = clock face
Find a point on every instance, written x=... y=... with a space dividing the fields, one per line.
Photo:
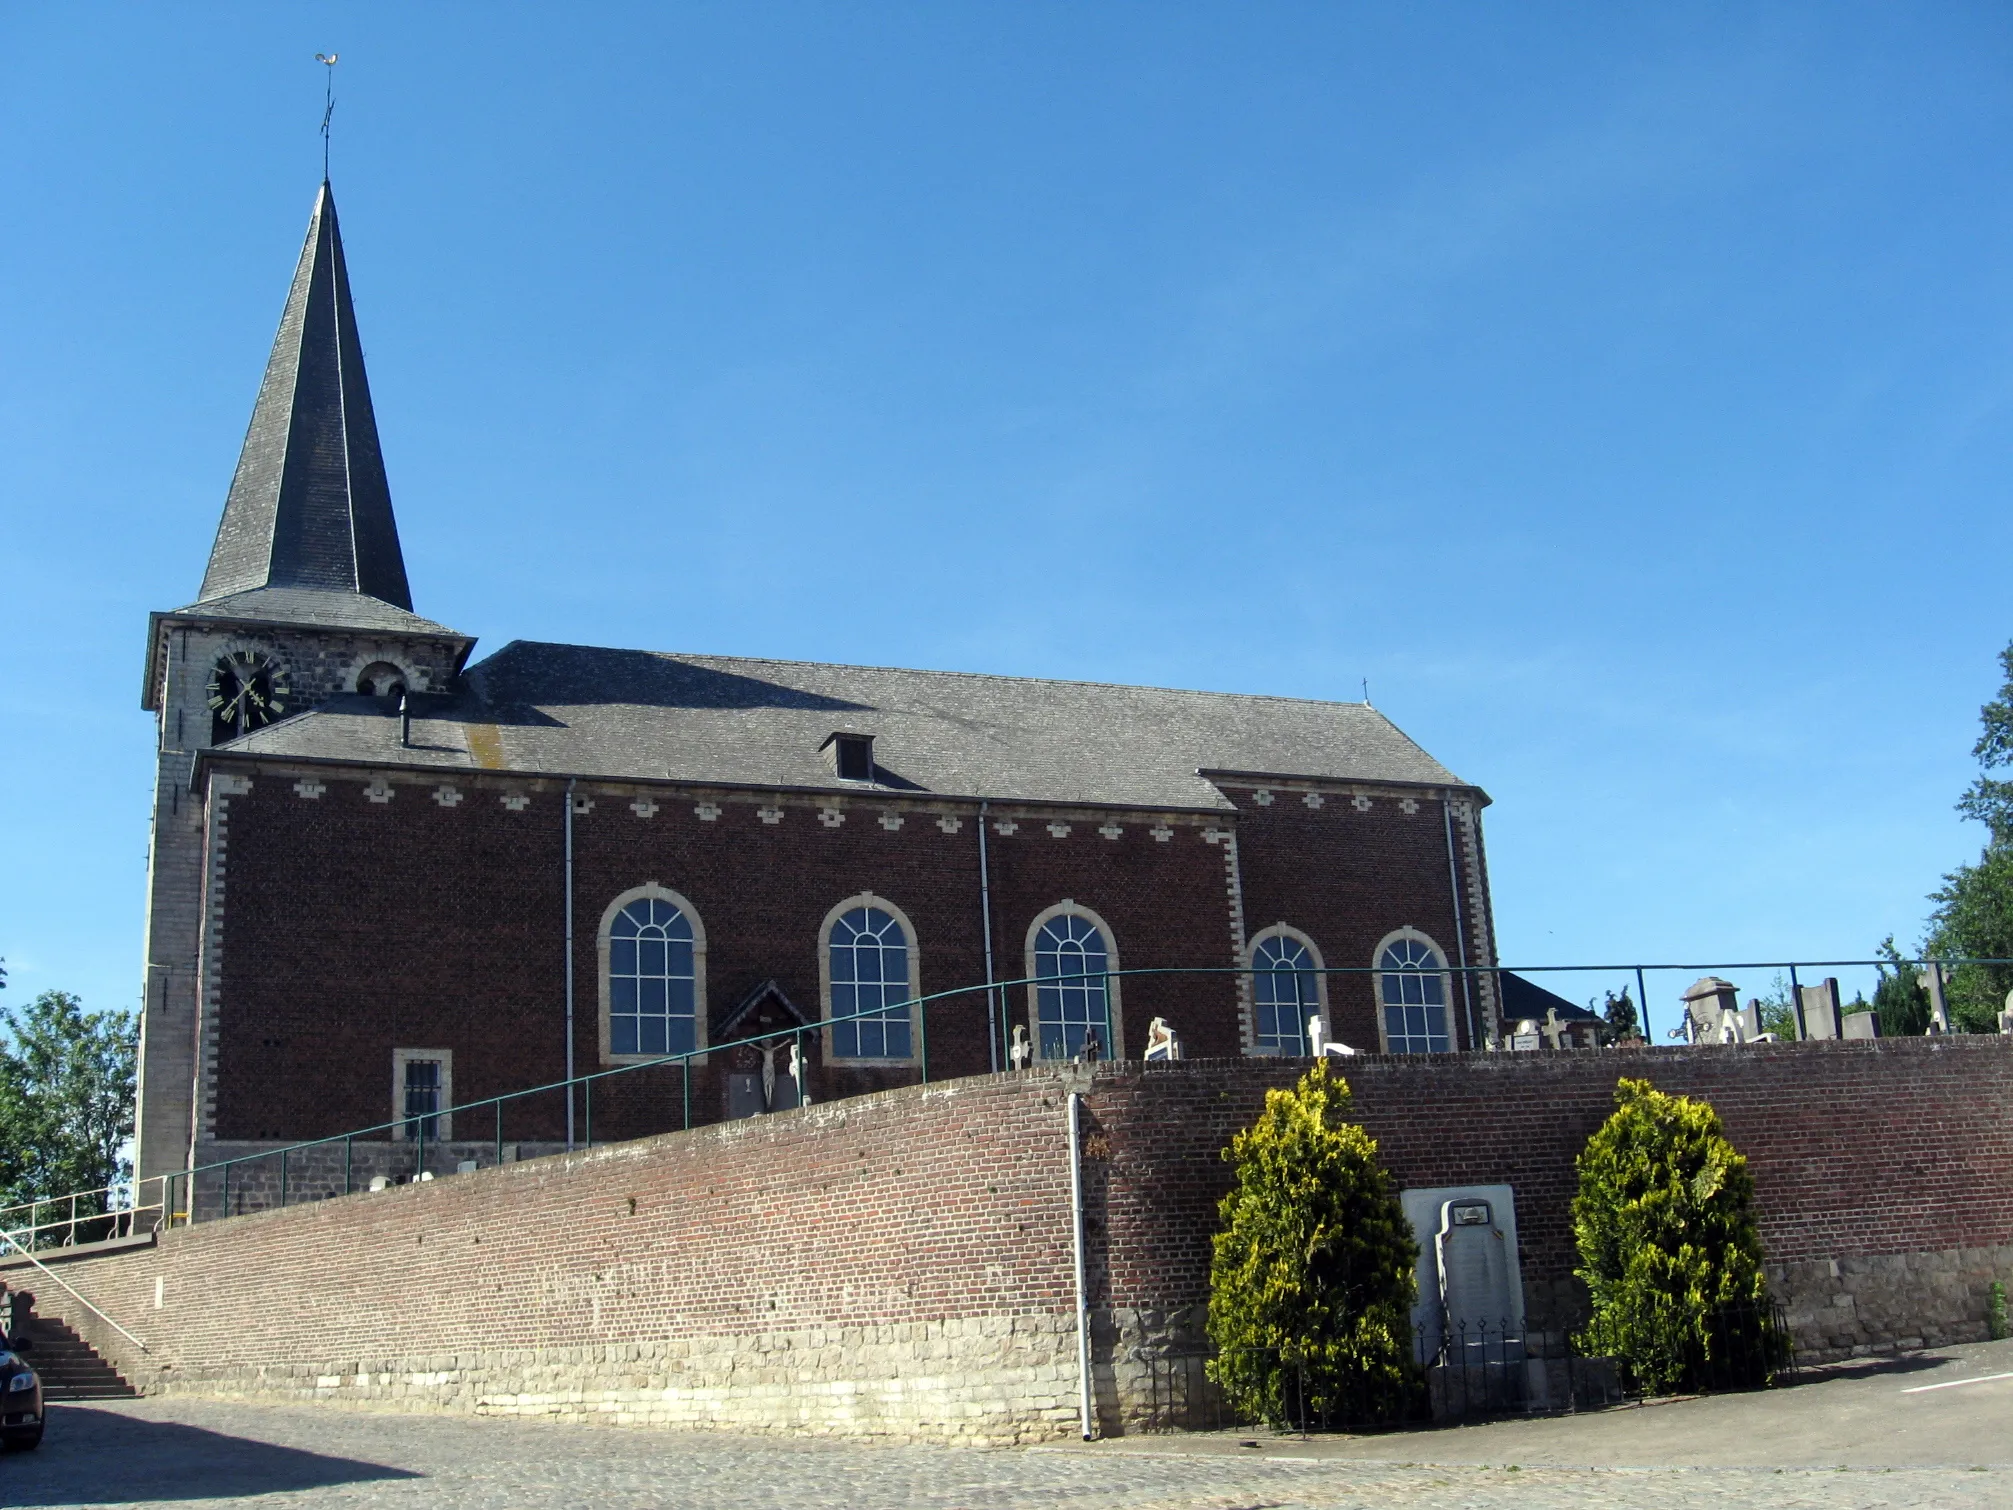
x=248 y=690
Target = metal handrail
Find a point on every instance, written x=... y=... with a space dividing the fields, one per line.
x=920 y=1005
x=82 y=1299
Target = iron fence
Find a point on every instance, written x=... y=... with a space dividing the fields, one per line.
x=402 y=1149
x=1470 y=1370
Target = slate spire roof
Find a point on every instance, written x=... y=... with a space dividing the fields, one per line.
x=309 y=506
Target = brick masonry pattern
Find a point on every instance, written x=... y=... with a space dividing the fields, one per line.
x=900 y=1263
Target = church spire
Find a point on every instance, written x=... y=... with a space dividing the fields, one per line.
x=309 y=506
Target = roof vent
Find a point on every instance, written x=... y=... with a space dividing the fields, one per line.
x=851 y=755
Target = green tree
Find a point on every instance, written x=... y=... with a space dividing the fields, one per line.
x=66 y=1096
x=1973 y=915
x=1989 y=799
x=1974 y=918
x=1669 y=1247
x=1778 y=1014
x=1312 y=1277
x=1618 y=1016
x=1902 y=1003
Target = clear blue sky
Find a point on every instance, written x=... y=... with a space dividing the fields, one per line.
x=1625 y=392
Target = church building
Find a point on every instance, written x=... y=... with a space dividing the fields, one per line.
x=389 y=878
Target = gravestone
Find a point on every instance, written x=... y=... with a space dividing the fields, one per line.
x=1526 y=1039
x=1818 y=1010
x=1860 y=1025
x=1019 y=1054
x=1708 y=1002
x=1931 y=980
x=1161 y=1042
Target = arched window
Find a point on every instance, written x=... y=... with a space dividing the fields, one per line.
x=1285 y=991
x=869 y=962
x=1070 y=953
x=1412 y=992
x=652 y=976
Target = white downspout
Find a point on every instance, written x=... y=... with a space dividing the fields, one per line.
x=1076 y=1232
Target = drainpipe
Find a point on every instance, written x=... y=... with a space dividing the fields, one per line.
x=986 y=920
x=569 y=964
x=1076 y=1231
x=1460 y=938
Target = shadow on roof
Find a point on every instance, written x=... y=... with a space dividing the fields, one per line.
x=528 y=674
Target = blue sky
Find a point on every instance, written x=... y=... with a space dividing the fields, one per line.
x=1625 y=392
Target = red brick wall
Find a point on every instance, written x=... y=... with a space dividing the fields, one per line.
x=1892 y=1146
x=1346 y=878
x=884 y=1209
x=442 y=927
x=927 y=1206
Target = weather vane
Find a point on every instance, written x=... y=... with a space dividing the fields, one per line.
x=328 y=60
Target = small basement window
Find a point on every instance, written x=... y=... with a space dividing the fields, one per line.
x=422 y=1090
x=852 y=756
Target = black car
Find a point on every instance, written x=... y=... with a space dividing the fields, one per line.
x=20 y=1401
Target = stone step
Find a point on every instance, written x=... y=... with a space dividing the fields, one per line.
x=70 y=1368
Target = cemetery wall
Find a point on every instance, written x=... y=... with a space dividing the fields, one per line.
x=901 y=1263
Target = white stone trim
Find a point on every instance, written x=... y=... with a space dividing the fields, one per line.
x=601 y=950
x=839 y=910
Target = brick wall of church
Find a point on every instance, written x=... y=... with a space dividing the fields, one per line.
x=1346 y=871
x=438 y=922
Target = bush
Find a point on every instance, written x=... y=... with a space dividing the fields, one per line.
x=1312 y=1280
x=1670 y=1250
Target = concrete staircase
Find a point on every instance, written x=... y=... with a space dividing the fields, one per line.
x=69 y=1369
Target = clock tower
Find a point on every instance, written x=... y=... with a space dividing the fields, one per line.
x=305 y=601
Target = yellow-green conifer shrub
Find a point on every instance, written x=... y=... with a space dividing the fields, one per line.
x=1670 y=1250
x=1312 y=1277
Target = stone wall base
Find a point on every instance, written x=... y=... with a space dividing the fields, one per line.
x=1853 y=1307
x=992 y=1380
x=1841 y=1308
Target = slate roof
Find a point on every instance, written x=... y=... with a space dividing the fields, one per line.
x=1525 y=998
x=309 y=506
x=318 y=607
x=580 y=710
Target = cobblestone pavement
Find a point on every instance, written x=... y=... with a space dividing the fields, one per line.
x=216 y=1454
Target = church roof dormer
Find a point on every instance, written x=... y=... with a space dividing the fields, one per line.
x=309 y=506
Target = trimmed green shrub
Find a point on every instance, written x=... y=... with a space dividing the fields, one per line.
x=1670 y=1250
x=1995 y=1312
x=1312 y=1280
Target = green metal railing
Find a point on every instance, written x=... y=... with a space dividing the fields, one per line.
x=176 y=1192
